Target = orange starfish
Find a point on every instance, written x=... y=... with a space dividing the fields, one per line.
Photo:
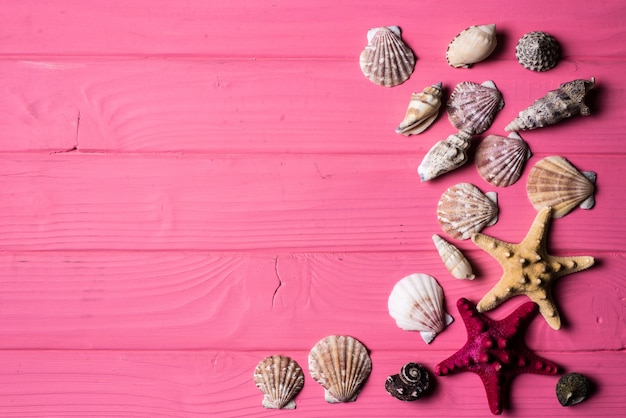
x=529 y=269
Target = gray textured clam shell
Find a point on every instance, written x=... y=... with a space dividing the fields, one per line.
x=538 y=51
x=422 y=111
x=472 y=107
x=280 y=379
x=500 y=161
x=386 y=60
x=445 y=156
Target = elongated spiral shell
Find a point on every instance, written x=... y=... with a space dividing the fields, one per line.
x=422 y=111
x=464 y=210
x=538 y=51
x=386 y=60
x=472 y=107
x=500 y=161
x=454 y=260
x=410 y=384
x=445 y=156
x=280 y=379
x=472 y=45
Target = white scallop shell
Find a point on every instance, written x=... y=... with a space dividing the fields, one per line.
x=500 y=161
x=341 y=364
x=472 y=107
x=472 y=45
x=422 y=111
x=445 y=156
x=555 y=182
x=464 y=210
x=416 y=303
x=454 y=260
x=386 y=60
x=280 y=379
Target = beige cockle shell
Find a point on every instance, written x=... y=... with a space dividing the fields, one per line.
x=422 y=111
x=472 y=45
x=386 y=60
x=472 y=107
x=454 y=260
x=464 y=210
x=446 y=155
x=280 y=379
x=500 y=161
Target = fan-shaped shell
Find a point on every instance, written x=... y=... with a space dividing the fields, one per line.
x=410 y=384
x=416 y=303
x=464 y=210
x=422 y=111
x=280 y=379
x=386 y=60
x=472 y=107
x=445 y=156
x=556 y=183
x=500 y=161
x=341 y=364
x=454 y=260
x=537 y=51
x=472 y=45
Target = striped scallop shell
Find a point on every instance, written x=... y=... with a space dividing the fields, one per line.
x=500 y=161
x=472 y=45
x=341 y=364
x=537 y=51
x=464 y=210
x=556 y=183
x=386 y=60
x=416 y=303
x=472 y=107
x=280 y=379
x=454 y=260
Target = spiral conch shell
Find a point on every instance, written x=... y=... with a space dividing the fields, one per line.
x=386 y=60
x=445 y=156
x=472 y=45
x=556 y=183
x=556 y=105
x=454 y=260
x=280 y=379
x=472 y=107
x=422 y=111
x=416 y=303
x=464 y=210
x=341 y=364
x=410 y=384
x=500 y=161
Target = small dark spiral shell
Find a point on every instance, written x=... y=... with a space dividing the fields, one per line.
x=572 y=388
x=410 y=384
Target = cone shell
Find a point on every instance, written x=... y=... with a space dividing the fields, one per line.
x=472 y=45
x=417 y=304
x=566 y=101
x=280 y=379
x=537 y=51
x=386 y=60
x=410 y=384
x=445 y=156
x=500 y=161
x=464 y=210
x=556 y=183
x=454 y=260
x=472 y=107
x=422 y=111
x=341 y=364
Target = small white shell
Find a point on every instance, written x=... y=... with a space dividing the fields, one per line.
x=472 y=45
x=454 y=260
x=446 y=155
x=500 y=161
x=341 y=364
x=464 y=210
x=416 y=303
x=280 y=379
x=472 y=107
x=386 y=60
x=422 y=111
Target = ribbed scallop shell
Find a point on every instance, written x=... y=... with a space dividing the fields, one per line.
x=416 y=303
x=500 y=161
x=556 y=183
x=422 y=111
x=472 y=107
x=472 y=45
x=454 y=260
x=464 y=210
x=280 y=379
x=445 y=156
x=386 y=60
x=410 y=384
x=538 y=51
x=341 y=364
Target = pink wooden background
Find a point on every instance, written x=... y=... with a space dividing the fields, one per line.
x=189 y=186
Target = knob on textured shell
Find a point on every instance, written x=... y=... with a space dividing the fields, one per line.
x=538 y=51
x=464 y=210
x=422 y=111
x=500 y=161
x=472 y=107
x=341 y=364
x=410 y=384
x=386 y=60
x=572 y=389
x=445 y=156
x=472 y=45
x=454 y=260
x=280 y=379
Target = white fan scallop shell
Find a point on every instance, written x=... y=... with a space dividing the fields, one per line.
x=464 y=210
x=341 y=364
x=500 y=161
x=280 y=379
x=472 y=107
x=416 y=304
x=386 y=60
x=457 y=264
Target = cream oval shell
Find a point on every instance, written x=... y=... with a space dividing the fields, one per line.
x=472 y=45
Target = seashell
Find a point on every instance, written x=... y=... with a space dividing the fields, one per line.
x=556 y=105
x=446 y=155
x=341 y=364
x=472 y=45
x=500 y=161
x=453 y=258
x=538 y=51
x=410 y=384
x=472 y=107
x=280 y=379
x=416 y=303
x=556 y=183
x=464 y=210
x=422 y=111
x=573 y=388
x=386 y=60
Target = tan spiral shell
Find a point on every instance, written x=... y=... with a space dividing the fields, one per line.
x=472 y=45
x=464 y=210
x=457 y=264
x=500 y=161
x=280 y=379
x=386 y=60
x=472 y=107
x=422 y=111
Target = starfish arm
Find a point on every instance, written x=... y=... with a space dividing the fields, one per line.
x=538 y=232
x=566 y=265
x=498 y=294
x=493 y=384
x=547 y=308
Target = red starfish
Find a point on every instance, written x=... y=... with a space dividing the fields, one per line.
x=495 y=351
